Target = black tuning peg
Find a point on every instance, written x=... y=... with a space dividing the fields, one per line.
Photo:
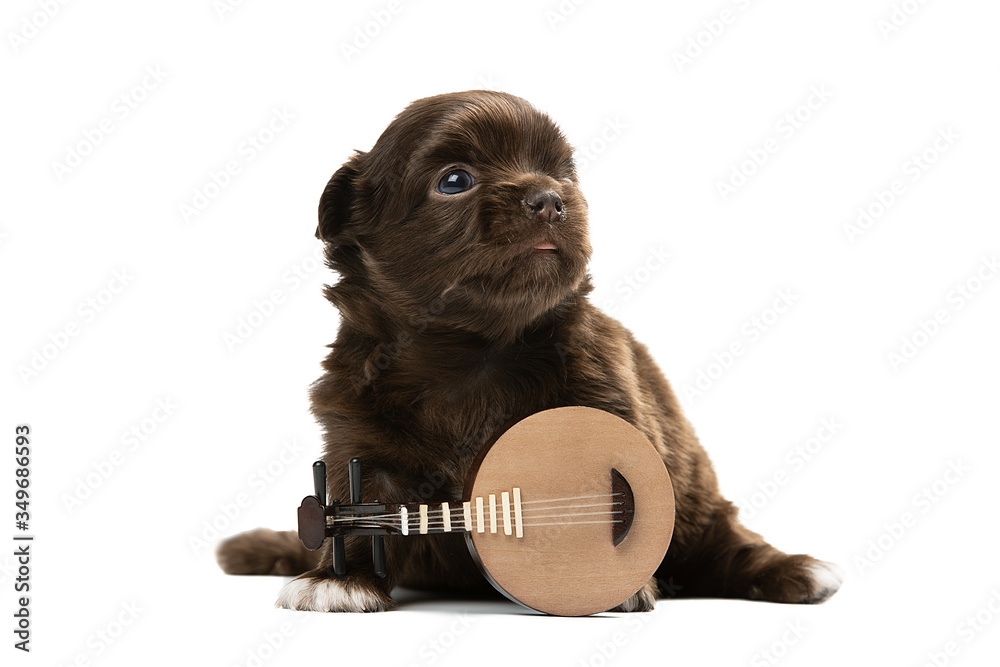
x=378 y=555
x=354 y=480
x=378 y=542
x=319 y=485
x=319 y=481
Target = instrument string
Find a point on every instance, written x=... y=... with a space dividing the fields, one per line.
x=570 y=523
x=546 y=516
x=458 y=512
x=396 y=525
x=393 y=521
x=552 y=500
x=439 y=518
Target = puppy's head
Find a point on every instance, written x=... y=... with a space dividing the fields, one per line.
x=465 y=214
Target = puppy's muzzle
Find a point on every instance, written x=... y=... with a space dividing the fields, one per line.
x=545 y=205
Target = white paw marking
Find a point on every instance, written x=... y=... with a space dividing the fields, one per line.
x=631 y=604
x=643 y=600
x=312 y=594
x=827 y=579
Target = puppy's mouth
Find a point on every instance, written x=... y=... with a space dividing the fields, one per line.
x=545 y=247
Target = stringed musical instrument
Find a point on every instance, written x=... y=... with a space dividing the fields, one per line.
x=568 y=512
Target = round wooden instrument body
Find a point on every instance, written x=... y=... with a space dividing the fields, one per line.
x=561 y=462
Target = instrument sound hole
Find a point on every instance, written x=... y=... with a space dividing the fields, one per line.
x=622 y=493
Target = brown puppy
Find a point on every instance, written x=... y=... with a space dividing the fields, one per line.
x=461 y=244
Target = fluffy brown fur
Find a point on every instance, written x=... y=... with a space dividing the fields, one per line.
x=454 y=324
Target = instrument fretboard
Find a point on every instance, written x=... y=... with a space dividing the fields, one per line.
x=492 y=514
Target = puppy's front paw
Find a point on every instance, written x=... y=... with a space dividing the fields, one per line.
x=797 y=580
x=319 y=593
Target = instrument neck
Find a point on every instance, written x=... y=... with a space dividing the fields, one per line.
x=493 y=513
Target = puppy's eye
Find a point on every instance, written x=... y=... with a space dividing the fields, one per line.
x=455 y=181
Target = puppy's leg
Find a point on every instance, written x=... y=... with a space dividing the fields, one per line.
x=359 y=590
x=730 y=561
x=712 y=554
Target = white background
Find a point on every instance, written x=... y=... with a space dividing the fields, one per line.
x=660 y=136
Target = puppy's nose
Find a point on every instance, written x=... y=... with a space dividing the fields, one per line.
x=546 y=205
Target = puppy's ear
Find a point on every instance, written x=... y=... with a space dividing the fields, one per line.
x=337 y=203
